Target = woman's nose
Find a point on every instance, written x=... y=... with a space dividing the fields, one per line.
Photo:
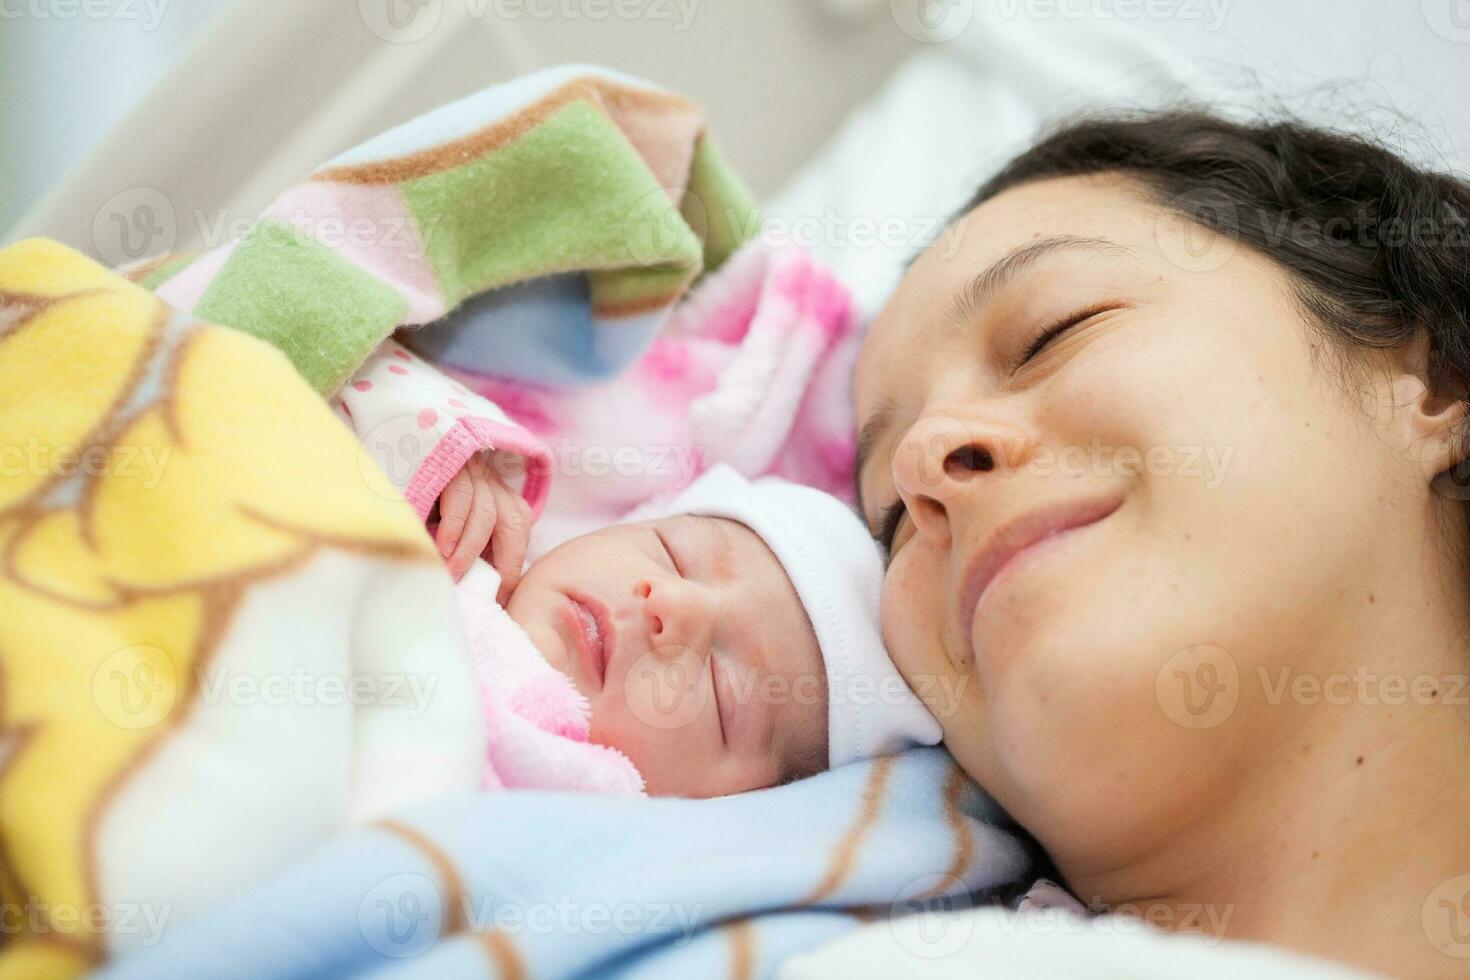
x=944 y=457
x=679 y=613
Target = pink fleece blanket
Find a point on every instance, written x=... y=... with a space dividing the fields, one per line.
x=754 y=369
x=536 y=720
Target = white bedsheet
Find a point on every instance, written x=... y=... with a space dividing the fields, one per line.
x=951 y=115
x=993 y=944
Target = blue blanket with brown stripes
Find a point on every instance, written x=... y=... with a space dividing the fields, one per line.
x=523 y=884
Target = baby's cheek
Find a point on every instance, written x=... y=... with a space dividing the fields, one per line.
x=913 y=614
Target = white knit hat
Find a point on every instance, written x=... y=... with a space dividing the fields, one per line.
x=838 y=574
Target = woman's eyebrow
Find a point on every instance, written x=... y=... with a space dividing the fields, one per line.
x=968 y=302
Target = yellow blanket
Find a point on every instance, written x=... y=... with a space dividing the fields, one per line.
x=179 y=511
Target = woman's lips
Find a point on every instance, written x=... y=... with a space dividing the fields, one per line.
x=1011 y=540
x=593 y=634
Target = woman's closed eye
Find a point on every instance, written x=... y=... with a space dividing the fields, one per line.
x=1045 y=338
x=888 y=524
x=891 y=518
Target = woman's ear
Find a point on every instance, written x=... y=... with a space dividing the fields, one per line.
x=1431 y=423
x=1440 y=438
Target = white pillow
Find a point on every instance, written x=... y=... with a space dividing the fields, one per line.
x=997 y=944
x=953 y=114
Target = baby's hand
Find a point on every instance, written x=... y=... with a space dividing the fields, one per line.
x=479 y=516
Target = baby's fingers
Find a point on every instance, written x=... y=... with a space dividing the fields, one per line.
x=454 y=510
x=478 y=527
x=512 y=537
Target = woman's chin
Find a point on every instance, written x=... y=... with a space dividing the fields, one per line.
x=1079 y=744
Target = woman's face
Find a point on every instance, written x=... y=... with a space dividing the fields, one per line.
x=1216 y=500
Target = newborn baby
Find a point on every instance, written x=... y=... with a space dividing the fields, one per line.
x=717 y=640
x=722 y=641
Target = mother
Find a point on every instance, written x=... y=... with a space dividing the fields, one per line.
x=1163 y=452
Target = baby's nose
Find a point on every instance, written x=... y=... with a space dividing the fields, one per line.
x=678 y=613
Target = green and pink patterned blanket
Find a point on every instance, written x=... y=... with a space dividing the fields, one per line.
x=598 y=199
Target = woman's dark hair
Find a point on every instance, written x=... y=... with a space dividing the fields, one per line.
x=1377 y=248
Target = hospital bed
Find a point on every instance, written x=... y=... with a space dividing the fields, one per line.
x=837 y=113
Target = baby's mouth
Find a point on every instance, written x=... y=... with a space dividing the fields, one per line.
x=591 y=637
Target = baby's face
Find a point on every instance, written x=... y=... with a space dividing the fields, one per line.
x=692 y=647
